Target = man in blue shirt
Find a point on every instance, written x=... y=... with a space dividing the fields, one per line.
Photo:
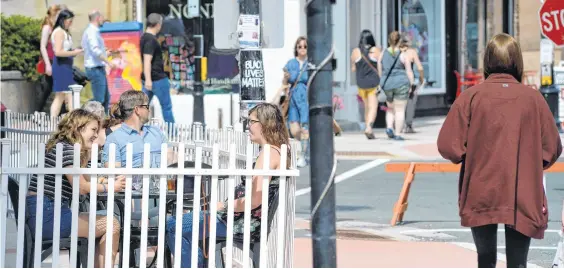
x=95 y=55
x=134 y=109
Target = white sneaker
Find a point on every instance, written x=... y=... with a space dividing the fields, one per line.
x=301 y=162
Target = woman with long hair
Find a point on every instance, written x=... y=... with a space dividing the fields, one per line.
x=266 y=127
x=47 y=54
x=77 y=127
x=298 y=109
x=63 y=61
x=364 y=62
x=411 y=58
x=503 y=134
x=398 y=82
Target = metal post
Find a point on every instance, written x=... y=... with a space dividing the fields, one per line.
x=198 y=86
x=319 y=32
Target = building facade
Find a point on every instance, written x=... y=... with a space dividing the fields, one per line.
x=436 y=28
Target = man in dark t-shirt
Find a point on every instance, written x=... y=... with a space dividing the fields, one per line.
x=155 y=80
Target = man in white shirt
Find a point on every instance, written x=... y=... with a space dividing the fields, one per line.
x=95 y=55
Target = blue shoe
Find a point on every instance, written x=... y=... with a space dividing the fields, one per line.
x=390 y=133
x=398 y=138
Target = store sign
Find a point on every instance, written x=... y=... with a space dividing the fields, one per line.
x=552 y=21
x=184 y=10
x=181 y=43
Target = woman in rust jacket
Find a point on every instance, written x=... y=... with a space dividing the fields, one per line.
x=504 y=135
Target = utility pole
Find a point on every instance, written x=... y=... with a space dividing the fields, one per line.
x=250 y=58
x=320 y=41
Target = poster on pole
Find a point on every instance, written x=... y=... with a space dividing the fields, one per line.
x=252 y=75
x=248 y=30
x=245 y=107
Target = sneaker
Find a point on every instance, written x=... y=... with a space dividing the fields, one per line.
x=398 y=138
x=390 y=133
x=301 y=162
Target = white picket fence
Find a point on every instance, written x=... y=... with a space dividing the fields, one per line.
x=33 y=129
x=276 y=247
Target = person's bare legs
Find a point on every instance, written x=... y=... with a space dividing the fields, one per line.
x=399 y=114
x=296 y=130
x=100 y=231
x=370 y=111
x=57 y=103
x=390 y=115
x=68 y=101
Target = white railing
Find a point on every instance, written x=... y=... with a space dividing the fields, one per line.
x=276 y=246
x=33 y=129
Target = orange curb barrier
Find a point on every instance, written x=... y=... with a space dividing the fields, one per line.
x=410 y=169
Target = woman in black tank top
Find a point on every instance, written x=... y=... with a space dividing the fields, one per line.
x=364 y=63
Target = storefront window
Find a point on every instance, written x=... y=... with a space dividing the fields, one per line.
x=421 y=22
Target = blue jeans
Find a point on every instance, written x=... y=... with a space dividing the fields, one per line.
x=97 y=77
x=186 y=259
x=161 y=88
x=49 y=217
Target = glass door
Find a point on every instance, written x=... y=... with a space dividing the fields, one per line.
x=422 y=22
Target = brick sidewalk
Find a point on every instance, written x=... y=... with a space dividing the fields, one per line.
x=391 y=254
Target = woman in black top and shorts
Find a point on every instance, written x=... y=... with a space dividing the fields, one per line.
x=364 y=63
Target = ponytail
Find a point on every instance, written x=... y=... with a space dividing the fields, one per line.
x=115 y=116
x=394 y=39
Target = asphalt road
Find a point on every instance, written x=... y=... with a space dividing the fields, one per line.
x=366 y=200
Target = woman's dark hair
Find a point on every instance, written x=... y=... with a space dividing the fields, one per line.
x=503 y=55
x=65 y=14
x=366 y=39
x=298 y=41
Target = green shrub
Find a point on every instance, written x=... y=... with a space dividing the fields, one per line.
x=20 y=44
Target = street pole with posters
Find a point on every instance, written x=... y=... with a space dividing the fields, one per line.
x=322 y=165
x=250 y=58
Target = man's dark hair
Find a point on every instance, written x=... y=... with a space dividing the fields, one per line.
x=154 y=19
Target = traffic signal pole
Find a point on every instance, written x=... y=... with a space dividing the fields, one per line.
x=322 y=165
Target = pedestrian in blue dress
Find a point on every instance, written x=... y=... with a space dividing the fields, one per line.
x=63 y=62
x=298 y=111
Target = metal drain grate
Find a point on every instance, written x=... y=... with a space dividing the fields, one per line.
x=360 y=235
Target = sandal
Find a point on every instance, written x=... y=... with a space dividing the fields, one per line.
x=370 y=136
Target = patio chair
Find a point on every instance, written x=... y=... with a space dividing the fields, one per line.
x=47 y=245
x=254 y=253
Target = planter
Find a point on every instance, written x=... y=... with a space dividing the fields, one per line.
x=18 y=94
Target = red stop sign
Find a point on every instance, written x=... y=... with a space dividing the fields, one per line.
x=552 y=21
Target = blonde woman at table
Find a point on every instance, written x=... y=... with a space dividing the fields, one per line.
x=77 y=127
x=266 y=126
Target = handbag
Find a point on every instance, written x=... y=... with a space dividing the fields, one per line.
x=79 y=76
x=285 y=106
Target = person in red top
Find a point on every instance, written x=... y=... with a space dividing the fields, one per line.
x=47 y=54
x=503 y=134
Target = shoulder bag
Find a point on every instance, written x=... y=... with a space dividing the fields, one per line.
x=285 y=106
x=380 y=93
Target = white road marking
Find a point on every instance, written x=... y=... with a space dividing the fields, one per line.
x=457 y=230
x=350 y=173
